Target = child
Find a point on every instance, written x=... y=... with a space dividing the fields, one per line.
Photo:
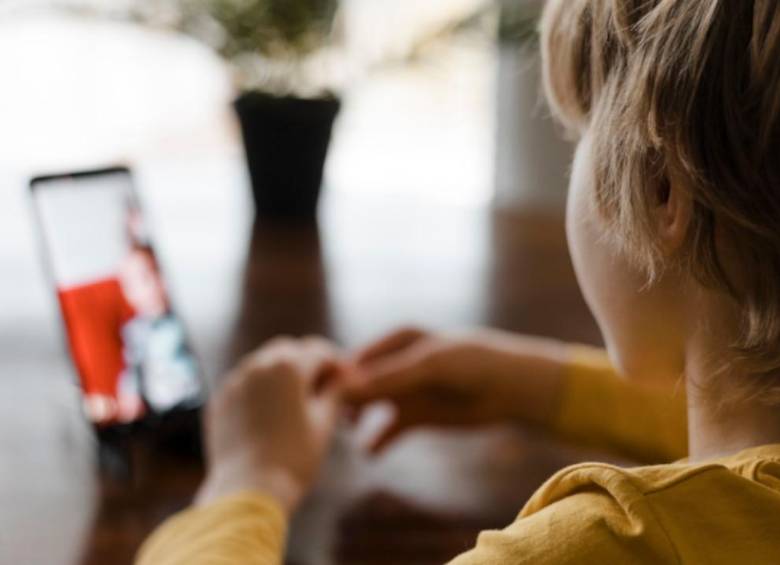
x=674 y=229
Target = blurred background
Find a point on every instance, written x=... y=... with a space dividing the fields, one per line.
x=306 y=166
x=435 y=110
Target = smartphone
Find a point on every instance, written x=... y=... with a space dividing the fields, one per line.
x=129 y=348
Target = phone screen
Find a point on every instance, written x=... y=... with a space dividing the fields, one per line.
x=130 y=349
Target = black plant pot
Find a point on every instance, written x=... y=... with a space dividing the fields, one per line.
x=286 y=141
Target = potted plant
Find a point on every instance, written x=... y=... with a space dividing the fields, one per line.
x=278 y=50
x=285 y=112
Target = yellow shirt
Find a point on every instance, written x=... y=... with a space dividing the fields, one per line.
x=724 y=511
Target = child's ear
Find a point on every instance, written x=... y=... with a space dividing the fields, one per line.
x=673 y=212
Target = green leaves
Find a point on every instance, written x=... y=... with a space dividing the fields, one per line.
x=519 y=21
x=273 y=28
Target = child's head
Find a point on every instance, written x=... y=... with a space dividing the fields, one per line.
x=675 y=196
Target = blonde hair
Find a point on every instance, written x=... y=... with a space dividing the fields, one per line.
x=686 y=88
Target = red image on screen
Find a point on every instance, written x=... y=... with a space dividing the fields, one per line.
x=129 y=348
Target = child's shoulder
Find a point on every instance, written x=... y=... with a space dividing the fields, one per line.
x=709 y=512
x=758 y=466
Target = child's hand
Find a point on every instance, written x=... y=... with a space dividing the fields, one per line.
x=435 y=380
x=270 y=425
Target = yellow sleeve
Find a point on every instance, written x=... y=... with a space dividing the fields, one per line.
x=573 y=520
x=249 y=529
x=603 y=410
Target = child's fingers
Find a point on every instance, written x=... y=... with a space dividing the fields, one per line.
x=334 y=374
x=401 y=374
x=389 y=344
x=309 y=359
x=353 y=413
x=325 y=411
x=387 y=436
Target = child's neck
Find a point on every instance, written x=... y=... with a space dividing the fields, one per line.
x=717 y=428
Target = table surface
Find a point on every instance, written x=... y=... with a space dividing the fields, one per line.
x=369 y=265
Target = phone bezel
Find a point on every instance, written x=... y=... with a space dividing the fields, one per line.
x=151 y=418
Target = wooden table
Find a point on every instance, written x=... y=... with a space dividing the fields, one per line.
x=370 y=265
